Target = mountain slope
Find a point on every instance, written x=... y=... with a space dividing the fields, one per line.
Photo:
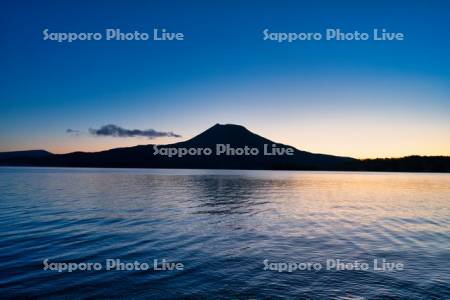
x=24 y=154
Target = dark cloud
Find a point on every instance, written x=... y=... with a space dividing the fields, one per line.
x=117 y=131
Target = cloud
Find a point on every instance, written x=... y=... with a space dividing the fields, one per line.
x=73 y=131
x=117 y=131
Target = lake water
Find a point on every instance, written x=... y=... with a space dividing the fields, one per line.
x=234 y=232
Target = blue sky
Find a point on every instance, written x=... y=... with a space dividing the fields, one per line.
x=357 y=98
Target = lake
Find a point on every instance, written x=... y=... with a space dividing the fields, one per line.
x=231 y=234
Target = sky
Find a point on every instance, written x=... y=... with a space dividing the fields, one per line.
x=362 y=99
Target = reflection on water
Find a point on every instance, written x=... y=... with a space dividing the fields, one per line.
x=222 y=225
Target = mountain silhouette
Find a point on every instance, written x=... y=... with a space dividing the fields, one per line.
x=234 y=136
x=26 y=153
x=228 y=134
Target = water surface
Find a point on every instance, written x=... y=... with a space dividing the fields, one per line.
x=222 y=225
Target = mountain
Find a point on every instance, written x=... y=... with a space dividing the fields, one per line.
x=227 y=134
x=26 y=154
x=236 y=137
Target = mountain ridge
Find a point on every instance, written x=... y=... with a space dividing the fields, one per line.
x=236 y=136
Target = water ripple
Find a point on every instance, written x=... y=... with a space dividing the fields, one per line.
x=222 y=225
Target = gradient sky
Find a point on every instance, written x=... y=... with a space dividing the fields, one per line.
x=360 y=99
